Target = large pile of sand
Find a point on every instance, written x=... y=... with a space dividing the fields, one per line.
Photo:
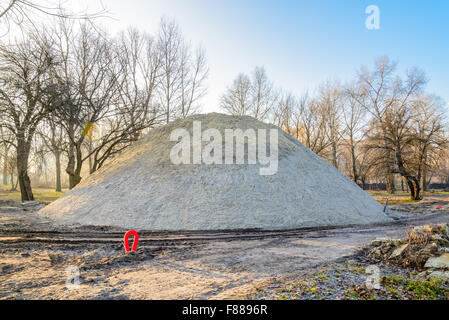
x=143 y=189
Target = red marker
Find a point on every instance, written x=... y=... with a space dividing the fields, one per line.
x=126 y=242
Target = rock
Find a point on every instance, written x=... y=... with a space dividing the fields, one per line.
x=445 y=229
x=388 y=242
x=439 y=240
x=422 y=229
x=396 y=242
x=442 y=228
x=398 y=251
x=432 y=248
x=377 y=252
x=441 y=262
x=441 y=275
x=378 y=241
x=422 y=275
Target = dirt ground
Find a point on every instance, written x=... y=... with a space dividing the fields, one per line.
x=37 y=258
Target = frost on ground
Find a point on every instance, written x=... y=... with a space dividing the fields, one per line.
x=142 y=189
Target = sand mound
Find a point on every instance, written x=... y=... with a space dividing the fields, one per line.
x=143 y=189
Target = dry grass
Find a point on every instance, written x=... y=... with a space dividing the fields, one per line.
x=40 y=194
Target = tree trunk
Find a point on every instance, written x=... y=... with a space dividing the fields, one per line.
x=412 y=182
x=12 y=182
x=354 y=168
x=411 y=188
x=424 y=180
x=5 y=167
x=58 y=170
x=74 y=166
x=23 y=151
x=414 y=187
x=417 y=191
x=334 y=155
x=70 y=169
x=390 y=183
x=79 y=165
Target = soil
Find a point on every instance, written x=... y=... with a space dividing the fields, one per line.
x=35 y=255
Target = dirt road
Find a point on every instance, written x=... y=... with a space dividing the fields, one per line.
x=35 y=255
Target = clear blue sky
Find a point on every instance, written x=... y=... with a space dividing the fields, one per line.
x=301 y=43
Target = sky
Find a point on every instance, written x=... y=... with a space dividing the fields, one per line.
x=300 y=43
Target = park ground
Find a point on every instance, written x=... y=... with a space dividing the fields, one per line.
x=38 y=259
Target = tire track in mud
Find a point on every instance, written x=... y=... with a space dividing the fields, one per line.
x=173 y=238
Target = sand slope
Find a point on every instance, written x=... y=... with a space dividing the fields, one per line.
x=142 y=189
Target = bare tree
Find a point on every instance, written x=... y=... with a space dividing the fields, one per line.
x=353 y=115
x=108 y=88
x=11 y=169
x=330 y=102
x=428 y=126
x=26 y=12
x=171 y=46
x=236 y=100
x=381 y=92
x=194 y=73
x=263 y=95
x=25 y=81
x=284 y=110
x=183 y=73
x=88 y=83
x=388 y=99
x=6 y=142
x=310 y=125
x=255 y=96
x=54 y=139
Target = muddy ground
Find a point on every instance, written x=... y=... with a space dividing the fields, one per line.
x=36 y=256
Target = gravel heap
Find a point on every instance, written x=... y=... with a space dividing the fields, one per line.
x=142 y=188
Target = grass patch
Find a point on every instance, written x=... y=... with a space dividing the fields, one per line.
x=398 y=201
x=40 y=194
x=432 y=289
x=347 y=281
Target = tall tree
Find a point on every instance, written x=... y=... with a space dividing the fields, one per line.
x=236 y=99
x=330 y=101
x=254 y=96
x=388 y=99
x=183 y=72
x=353 y=118
x=24 y=81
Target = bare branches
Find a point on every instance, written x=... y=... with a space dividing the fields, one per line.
x=182 y=73
x=236 y=99
x=25 y=12
x=255 y=96
x=380 y=125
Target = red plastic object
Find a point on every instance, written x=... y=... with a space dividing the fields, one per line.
x=439 y=207
x=126 y=242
